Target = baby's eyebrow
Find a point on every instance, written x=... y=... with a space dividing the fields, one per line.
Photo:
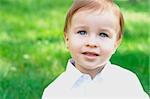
x=106 y=29
x=81 y=27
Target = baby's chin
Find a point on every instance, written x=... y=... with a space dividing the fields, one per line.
x=92 y=67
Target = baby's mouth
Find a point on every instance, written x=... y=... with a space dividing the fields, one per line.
x=90 y=53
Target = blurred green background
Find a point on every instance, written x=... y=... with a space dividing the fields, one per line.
x=32 y=49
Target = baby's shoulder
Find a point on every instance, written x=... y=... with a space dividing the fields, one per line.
x=121 y=72
x=59 y=79
x=54 y=87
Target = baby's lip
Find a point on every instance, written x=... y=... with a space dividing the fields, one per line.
x=90 y=53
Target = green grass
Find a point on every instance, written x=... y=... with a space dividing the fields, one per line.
x=32 y=49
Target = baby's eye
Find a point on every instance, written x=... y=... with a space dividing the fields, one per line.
x=103 y=34
x=82 y=32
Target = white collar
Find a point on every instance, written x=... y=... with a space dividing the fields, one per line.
x=73 y=74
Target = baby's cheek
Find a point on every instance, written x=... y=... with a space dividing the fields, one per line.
x=107 y=49
x=107 y=46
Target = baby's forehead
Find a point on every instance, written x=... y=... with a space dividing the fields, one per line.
x=95 y=19
x=99 y=11
x=105 y=14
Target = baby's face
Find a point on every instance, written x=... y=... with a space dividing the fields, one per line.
x=92 y=38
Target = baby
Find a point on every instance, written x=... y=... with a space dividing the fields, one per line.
x=93 y=31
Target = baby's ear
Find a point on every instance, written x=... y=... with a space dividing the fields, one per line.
x=117 y=43
x=66 y=36
x=66 y=39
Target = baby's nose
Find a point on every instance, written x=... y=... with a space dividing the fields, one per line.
x=92 y=42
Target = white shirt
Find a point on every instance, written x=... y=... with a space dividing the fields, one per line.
x=113 y=82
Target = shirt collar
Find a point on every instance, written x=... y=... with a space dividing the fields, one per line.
x=72 y=70
x=105 y=71
x=73 y=74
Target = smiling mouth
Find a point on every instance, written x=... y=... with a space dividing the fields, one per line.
x=90 y=53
